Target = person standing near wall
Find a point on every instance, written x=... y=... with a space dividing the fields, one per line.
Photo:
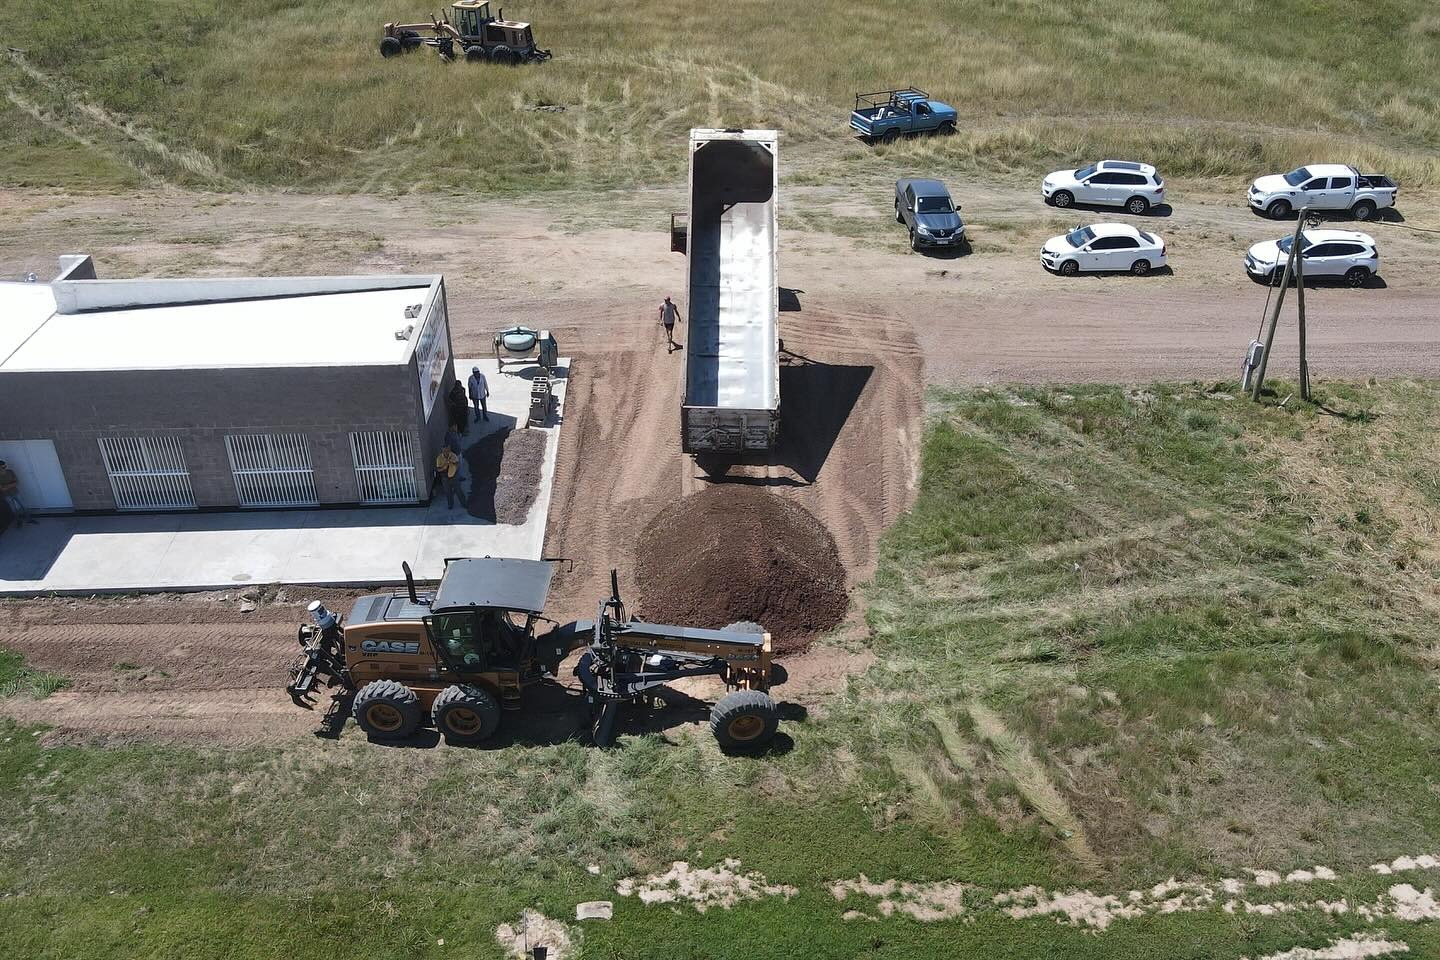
x=10 y=490
x=447 y=470
x=458 y=411
x=479 y=393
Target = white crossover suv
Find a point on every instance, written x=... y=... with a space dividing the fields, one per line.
x=1327 y=253
x=1103 y=246
x=1109 y=183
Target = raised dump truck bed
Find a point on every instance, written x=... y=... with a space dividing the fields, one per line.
x=731 y=401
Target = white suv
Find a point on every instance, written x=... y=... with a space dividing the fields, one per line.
x=1103 y=246
x=1109 y=183
x=1327 y=253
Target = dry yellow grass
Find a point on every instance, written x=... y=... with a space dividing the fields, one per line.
x=219 y=94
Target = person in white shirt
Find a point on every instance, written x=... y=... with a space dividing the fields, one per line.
x=479 y=392
x=669 y=313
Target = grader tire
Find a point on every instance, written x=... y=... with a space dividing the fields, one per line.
x=744 y=720
x=504 y=55
x=391 y=46
x=466 y=715
x=475 y=54
x=386 y=710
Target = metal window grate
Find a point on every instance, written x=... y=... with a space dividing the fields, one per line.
x=147 y=473
x=385 y=466
x=272 y=469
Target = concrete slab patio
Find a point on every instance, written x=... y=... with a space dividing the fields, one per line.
x=342 y=547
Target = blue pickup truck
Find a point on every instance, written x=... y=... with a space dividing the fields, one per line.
x=887 y=114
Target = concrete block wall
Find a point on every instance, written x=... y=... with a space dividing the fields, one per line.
x=76 y=408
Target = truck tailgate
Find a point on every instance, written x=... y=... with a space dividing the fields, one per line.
x=862 y=121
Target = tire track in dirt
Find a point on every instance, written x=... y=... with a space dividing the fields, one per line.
x=617 y=466
x=236 y=717
x=197 y=657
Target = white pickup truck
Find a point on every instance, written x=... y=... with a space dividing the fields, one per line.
x=1323 y=186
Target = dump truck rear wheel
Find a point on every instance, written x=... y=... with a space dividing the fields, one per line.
x=387 y=710
x=744 y=720
x=391 y=46
x=466 y=715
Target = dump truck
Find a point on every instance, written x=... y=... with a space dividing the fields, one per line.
x=731 y=398
x=459 y=657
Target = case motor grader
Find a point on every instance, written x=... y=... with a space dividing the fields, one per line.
x=473 y=34
x=462 y=656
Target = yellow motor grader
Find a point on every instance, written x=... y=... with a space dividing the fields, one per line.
x=470 y=31
x=461 y=656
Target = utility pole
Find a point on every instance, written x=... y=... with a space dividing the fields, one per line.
x=1275 y=312
x=1300 y=302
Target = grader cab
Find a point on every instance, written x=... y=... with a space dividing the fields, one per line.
x=461 y=656
x=469 y=31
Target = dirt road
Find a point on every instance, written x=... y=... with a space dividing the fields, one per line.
x=190 y=668
x=867 y=325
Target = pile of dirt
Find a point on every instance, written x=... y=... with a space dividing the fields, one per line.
x=733 y=553
x=505 y=474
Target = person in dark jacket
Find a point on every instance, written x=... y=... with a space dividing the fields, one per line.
x=458 y=408
x=10 y=490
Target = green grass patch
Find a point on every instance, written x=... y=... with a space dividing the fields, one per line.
x=1123 y=635
x=19 y=680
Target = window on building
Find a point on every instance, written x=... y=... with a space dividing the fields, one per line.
x=385 y=466
x=147 y=473
x=272 y=469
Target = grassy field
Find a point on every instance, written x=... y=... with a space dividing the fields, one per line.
x=243 y=93
x=1123 y=636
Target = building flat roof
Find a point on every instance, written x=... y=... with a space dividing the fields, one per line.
x=170 y=324
x=24 y=307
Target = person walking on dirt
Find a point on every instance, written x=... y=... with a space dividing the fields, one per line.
x=10 y=490
x=669 y=313
x=447 y=469
x=479 y=392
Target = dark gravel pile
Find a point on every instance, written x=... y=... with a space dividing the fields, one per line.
x=733 y=553
x=504 y=473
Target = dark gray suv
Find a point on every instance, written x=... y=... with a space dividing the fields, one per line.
x=925 y=207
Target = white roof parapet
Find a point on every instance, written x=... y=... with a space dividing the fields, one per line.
x=81 y=296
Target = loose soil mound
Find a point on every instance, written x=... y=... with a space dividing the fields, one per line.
x=505 y=474
x=735 y=553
